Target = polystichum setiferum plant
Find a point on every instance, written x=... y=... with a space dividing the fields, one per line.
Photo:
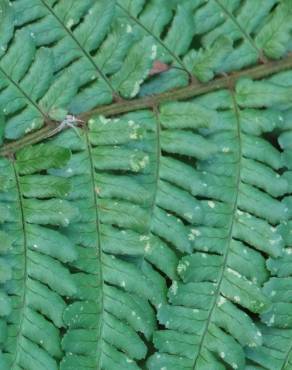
x=145 y=184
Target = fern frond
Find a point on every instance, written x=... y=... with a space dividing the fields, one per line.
x=112 y=182
x=155 y=233
x=225 y=42
x=117 y=55
x=277 y=344
x=224 y=231
x=35 y=281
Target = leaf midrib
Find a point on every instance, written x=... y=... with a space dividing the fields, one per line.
x=84 y=51
x=160 y=42
x=194 y=89
x=98 y=246
x=287 y=358
x=19 y=88
x=240 y=28
x=25 y=280
x=157 y=170
x=230 y=234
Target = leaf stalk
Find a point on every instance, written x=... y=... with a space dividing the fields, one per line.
x=194 y=89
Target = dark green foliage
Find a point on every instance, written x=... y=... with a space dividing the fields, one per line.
x=156 y=239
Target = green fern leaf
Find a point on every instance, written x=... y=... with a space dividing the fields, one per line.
x=275 y=352
x=34 y=276
x=145 y=195
x=200 y=319
x=115 y=256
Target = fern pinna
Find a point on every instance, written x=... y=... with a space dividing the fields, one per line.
x=145 y=213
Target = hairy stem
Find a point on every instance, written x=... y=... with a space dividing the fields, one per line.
x=191 y=91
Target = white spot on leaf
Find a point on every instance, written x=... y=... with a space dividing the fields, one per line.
x=129 y=28
x=211 y=204
x=70 y=23
x=153 y=52
x=196 y=232
x=174 y=288
x=221 y=301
